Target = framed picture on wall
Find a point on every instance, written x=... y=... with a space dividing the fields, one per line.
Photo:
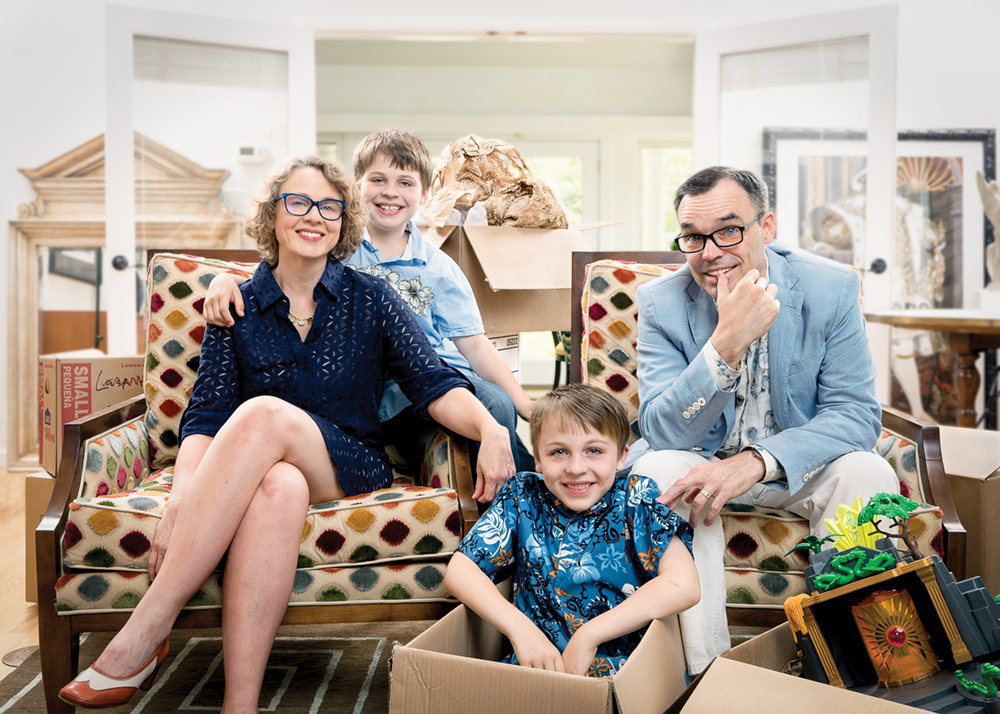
x=817 y=184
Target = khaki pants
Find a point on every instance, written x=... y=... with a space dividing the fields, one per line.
x=704 y=627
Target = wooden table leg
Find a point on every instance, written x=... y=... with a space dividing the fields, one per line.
x=967 y=379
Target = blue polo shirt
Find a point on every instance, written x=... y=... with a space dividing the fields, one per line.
x=437 y=293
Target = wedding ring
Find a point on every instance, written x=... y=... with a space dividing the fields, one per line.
x=706 y=494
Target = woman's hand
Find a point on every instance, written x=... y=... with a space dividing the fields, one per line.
x=534 y=649
x=579 y=653
x=161 y=539
x=495 y=464
x=223 y=290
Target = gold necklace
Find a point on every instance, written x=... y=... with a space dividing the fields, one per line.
x=300 y=321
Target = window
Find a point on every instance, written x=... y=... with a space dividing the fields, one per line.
x=663 y=169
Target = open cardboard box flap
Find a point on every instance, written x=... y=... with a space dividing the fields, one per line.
x=521 y=277
x=525 y=258
x=516 y=258
x=747 y=679
x=971 y=459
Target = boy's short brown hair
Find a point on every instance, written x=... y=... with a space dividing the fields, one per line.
x=260 y=223
x=583 y=406
x=405 y=152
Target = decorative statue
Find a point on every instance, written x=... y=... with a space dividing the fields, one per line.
x=990 y=193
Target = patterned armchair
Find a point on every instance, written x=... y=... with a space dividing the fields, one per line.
x=759 y=576
x=377 y=556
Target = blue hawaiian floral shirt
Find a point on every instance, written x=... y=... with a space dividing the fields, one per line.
x=571 y=567
x=436 y=291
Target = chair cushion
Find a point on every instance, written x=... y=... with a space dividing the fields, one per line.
x=610 y=328
x=748 y=587
x=759 y=538
x=114 y=528
x=117 y=590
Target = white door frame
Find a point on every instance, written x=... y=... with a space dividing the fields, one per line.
x=122 y=25
x=879 y=24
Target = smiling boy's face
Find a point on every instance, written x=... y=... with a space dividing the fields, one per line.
x=391 y=196
x=577 y=463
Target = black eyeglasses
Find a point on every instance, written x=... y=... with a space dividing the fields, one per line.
x=298 y=205
x=723 y=238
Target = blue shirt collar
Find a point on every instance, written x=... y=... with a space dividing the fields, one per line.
x=265 y=287
x=415 y=252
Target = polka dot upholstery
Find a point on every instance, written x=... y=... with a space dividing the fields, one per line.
x=610 y=328
x=758 y=573
x=119 y=590
x=926 y=521
x=175 y=297
x=390 y=544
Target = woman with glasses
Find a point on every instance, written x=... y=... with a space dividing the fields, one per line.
x=283 y=414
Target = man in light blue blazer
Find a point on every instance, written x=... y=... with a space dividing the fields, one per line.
x=756 y=383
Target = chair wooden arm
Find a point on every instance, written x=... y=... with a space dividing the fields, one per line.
x=75 y=435
x=464 y=483
x=927 y=438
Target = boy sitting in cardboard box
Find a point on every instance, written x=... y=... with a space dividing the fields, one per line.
x=596 y=558
x=394 y=171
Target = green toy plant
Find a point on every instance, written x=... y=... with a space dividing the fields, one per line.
x=895 y=507
x=812 y=543
x=991 y=679
x=845 y=528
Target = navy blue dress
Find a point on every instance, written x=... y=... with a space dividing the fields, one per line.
x=361 y=333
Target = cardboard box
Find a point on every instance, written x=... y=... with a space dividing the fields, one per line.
x=509 y=348
x=748 y=679
x=37 y=492
x=72 y=385
x=520 y=276
x=972 y=463
x=452 y=668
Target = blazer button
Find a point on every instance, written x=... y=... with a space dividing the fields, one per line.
x=686 y=414
x=701 y=402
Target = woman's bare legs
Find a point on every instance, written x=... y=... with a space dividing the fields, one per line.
x=267 y=541
x=261 y=433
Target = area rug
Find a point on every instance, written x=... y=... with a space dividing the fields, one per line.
x=330 y=668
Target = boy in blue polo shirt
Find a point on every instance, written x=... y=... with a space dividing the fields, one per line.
x=394 y=170
x=596 y=558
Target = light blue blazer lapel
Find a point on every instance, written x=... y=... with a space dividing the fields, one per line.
x=784 y=333
x=702 y=319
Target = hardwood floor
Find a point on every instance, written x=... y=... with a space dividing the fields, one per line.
x=18 y=618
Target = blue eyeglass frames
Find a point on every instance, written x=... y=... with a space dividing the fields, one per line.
x=329 y=209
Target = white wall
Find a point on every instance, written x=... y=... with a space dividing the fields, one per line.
x=53 y=80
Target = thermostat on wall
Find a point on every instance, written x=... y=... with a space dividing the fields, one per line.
x=251 y=154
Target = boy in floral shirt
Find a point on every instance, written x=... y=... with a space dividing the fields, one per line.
x=596 y=558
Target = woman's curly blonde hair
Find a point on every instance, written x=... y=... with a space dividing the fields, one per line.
x=260 y=224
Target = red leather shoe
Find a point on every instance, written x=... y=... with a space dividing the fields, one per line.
x=93 y=689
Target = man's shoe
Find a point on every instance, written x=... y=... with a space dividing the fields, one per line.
x=93 y=689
